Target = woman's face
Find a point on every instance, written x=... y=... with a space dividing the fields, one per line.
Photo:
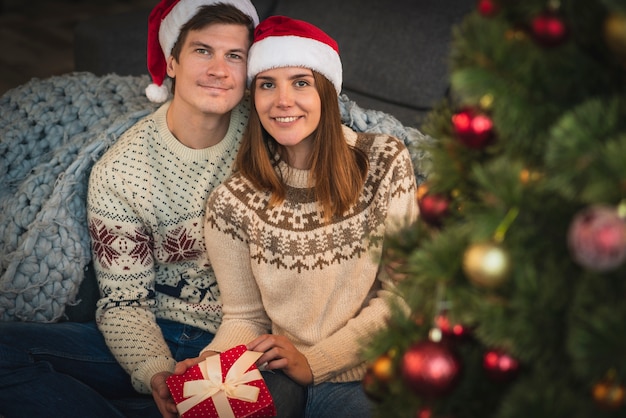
x=289 y=108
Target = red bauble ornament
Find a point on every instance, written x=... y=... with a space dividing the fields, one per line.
x=430 y=369
x=424 y=413
x=433 y=207
x=472 y=128
x=487 y=8
x=549 y=29
x=597 y=238
x=500 y=366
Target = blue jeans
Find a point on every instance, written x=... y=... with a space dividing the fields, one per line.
x=66 y=370
x=331 y=400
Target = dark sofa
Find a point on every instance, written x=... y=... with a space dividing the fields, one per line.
x=394 y=56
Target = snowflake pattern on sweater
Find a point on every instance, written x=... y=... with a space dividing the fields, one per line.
x=146 y=205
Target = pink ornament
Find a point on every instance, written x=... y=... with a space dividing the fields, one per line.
x=597 y=238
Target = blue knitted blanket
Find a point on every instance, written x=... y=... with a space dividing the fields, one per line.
x=51 y=133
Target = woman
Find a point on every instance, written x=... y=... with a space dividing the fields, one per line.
x=295 y=235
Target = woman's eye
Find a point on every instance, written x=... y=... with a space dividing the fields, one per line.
x=266 y=85
x=302 y=83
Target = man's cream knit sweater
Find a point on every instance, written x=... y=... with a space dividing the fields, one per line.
x=146 y=203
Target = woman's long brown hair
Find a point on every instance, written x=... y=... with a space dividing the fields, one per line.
x=338 y=171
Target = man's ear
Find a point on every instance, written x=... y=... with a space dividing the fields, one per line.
x=171 y=66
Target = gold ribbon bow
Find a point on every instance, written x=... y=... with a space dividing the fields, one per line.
x=213 y=386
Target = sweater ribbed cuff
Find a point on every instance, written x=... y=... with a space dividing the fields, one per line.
x=143 y=374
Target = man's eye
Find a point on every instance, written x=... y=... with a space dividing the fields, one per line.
x=202 y=51
x=235 y=56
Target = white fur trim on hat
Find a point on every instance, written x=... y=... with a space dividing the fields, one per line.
x=295 y=51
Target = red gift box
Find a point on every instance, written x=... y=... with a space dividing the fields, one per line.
x=224 y=386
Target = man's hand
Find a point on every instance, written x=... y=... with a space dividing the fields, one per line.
x=160 y=391
x=162 y=396
x=280 y=353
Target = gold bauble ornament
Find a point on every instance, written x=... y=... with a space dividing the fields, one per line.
x=383 y=368
x=527 y=176
x=486 y=264
x=615 y=35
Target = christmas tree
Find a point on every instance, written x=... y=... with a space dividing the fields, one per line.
x=514 y=277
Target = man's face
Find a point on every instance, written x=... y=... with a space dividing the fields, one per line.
x=211 y=70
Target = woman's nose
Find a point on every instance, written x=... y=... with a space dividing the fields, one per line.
x=284 y=96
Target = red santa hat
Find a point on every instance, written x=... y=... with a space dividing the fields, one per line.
x=280 y=41
x=164 y=24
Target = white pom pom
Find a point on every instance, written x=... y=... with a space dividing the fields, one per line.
x=157 y=94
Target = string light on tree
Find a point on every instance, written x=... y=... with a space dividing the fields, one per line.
x=549 y=29
x=608 y=393
x=500 y=366
x=473 y=128
x=615 y=35
x=449 y=329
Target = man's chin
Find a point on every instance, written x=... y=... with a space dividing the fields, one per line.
x=219 y=107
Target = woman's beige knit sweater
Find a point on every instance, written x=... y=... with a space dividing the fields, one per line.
x=284 y=271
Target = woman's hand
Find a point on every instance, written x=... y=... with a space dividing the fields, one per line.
x=280 y=353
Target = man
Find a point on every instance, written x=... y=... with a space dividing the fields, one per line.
x=160 y=302
x=146 y=194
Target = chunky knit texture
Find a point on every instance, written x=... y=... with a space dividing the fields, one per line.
x=145 y=209
x=282 y=270
x=51 y=133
